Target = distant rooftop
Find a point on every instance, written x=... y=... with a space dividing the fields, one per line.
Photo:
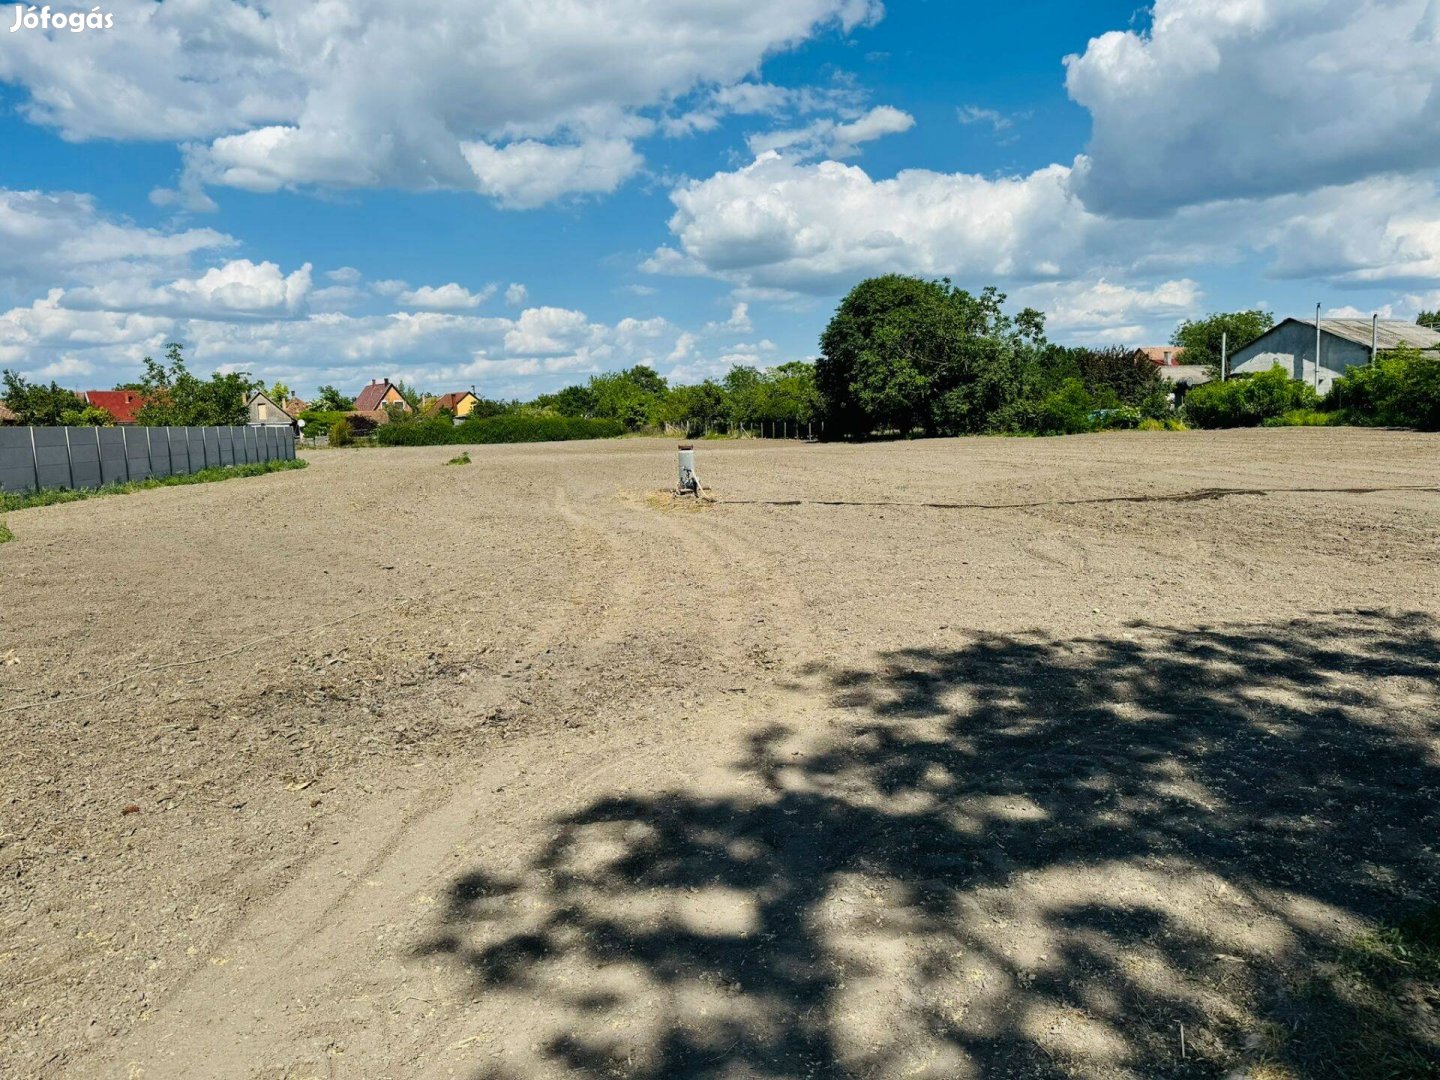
x=1162 y=355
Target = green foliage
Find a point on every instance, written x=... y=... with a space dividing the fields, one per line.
x=39 y=405
x=1115 y=378
x=54 y=496
x=1247 y=400
x=89 y=416
x=485 y=407
x=331 y=400
x=638 y=398
x=1304 y=418
x=573 y=401
x=1066 y=410
x=340 y=433
x=1201 y=338
x=511 y=427
x=460 y=459
x=319 y=420
x=1428 y=318
x=633 y=396
x=701 y=404
x=279 y=392
x=176 y=398
x=903 y=354
x=5 y=534
x=1400 y=389
x=1170 y=423
x=417 y=431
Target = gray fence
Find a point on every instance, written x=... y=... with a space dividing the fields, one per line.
x=35 y=458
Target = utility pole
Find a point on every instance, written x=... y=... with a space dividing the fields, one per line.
x=1374 y=336
x=1315 y=380
x=1224 y=353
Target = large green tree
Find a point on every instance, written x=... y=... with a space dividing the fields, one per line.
x=632 y=396
x=903 y=353
x=176 y=398
x=1201 y=338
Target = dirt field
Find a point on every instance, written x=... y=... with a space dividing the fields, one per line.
x=942 y=759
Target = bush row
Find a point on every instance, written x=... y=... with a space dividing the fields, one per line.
x=512 y=427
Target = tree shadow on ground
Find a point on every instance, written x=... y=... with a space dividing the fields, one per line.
x=1020 y=857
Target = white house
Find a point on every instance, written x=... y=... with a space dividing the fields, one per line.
x=1343 y=343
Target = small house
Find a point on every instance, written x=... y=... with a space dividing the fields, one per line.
x=264 y=412
x=458 y=405
x=379 y=396
x=6 y=416
x=1343 y=343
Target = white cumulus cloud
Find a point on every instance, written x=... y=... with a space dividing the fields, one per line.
x=1243 y=98
x=521 y=100
x=451 y=297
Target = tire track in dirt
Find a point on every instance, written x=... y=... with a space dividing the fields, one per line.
x=303 y=945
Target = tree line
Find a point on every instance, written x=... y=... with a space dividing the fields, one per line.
x=902 y=355
x=171 y=396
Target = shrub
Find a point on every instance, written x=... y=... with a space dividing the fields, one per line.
x=1401 y=388
x=460 y=459
x=1247 y=400
x=340 y=433
x=319 y=420
x=1066 y=411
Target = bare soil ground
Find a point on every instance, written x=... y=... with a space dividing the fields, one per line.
x=940 y=759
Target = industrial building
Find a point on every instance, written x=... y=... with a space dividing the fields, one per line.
x=1343 y=343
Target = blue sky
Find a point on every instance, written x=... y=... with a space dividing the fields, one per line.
x=516 y=195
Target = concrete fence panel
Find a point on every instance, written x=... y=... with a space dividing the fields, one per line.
x=137 y=452
x=114 y=462
x=37 y=458
x=17 y=460
x=52 y=458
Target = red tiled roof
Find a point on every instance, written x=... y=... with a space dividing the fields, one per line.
x=121 y=404
x=6 y=416
x=372 y=396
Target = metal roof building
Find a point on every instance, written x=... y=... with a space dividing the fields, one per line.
x=1343 y=343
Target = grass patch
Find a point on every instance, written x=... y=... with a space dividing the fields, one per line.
x=1377 y=1006
x=1170 y=423
x=5 y=534
x=1305 y=418
x=54 y=496
x=461 y=459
